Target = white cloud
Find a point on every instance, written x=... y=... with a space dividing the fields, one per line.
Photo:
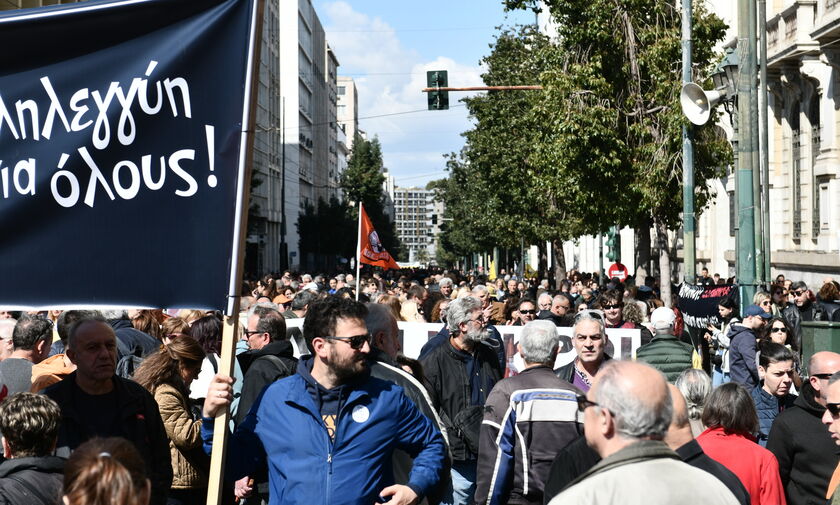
x=396 y=74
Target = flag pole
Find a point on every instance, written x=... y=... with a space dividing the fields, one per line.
x=359 y=253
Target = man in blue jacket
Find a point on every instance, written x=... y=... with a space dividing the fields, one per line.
x=742 y=347
x=327 y=433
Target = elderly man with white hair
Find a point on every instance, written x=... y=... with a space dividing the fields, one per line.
x=626 y=416
x=665 y=351
x=527 y=419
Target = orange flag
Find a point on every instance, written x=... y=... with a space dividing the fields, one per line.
x=371 y=251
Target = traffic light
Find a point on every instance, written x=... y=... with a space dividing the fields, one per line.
x=438 y=100
x=614 y=245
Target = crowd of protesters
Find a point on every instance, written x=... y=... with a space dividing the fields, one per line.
x=120 y=406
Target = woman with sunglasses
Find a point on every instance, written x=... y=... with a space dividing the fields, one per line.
x=779 y=332
x=728 y=311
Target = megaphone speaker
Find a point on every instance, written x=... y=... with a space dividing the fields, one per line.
x=697 y=103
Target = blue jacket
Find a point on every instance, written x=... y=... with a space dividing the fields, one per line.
x=742 y=350
x=305 y=466
x=768 y=407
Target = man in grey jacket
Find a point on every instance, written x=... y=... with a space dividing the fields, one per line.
x=626 y=415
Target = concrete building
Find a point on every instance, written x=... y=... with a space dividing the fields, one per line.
x=308 y=87
x=348 y=108
x=414 y=208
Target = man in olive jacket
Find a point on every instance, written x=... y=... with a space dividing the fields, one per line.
x=666 y=352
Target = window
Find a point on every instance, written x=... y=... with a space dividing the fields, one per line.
x=796 y=174
x=814 y=119
x=341 y=90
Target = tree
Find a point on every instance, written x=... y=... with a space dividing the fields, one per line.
x=362 y=182
x=600 y=145
x=327 y=231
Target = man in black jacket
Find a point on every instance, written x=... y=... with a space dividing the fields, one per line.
x=590 y=341
x=270 y=358
x=461 y=373
x=95 y=402
x=806 y=453
x=31 y=475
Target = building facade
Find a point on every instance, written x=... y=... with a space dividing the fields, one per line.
x=348 y=108
x=414 y=208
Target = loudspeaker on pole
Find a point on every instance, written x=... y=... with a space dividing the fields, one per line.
x=697 y=103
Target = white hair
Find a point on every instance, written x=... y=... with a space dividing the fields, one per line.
x=7 y=326
x=459 y=311
x=539 y=341
x=635 y=417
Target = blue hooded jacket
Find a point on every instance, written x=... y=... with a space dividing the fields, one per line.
x=742 y=350
x=305 y=466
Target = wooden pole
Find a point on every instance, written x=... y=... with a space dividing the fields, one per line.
x=230 y=329
x=359 y=254
x=483 y=88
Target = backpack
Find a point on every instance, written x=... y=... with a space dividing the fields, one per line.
x=127 y=365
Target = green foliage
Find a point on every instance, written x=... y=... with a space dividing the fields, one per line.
x=328 y=229
x=599 y=146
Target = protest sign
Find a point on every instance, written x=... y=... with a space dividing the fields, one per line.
x=122 y=152
x=699 y=304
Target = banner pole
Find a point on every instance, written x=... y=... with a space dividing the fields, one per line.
x=359 y=254
x=231 y=321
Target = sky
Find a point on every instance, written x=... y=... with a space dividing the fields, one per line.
x=387 y=46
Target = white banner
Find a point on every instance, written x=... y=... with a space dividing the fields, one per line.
x=622 y=343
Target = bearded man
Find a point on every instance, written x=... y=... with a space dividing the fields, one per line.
x=461 y=374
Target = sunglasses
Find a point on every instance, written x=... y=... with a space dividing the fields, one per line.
x=528 y=311
x=356 y=342
x=834 y=408
x=614 y=306
x=824 y=376
x=798 y=293
x=778 y=330
x=584 y=403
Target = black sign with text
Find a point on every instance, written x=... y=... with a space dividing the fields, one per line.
x=120 y=151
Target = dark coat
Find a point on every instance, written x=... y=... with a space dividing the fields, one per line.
x=140 y=423
x=567 y=371
x=260 y=368
x=667 y=354
x=742 y=349
x=31 y=481
x=450 y=390
x=768 y=407
x=570 y=463
x=494 y=342
x=693 y=454
x=805 y=450
x=130 y=340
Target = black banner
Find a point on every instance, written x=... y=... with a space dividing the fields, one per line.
x=699 y=304
x=121 y=151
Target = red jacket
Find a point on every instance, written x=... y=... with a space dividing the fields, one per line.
x=754 y=465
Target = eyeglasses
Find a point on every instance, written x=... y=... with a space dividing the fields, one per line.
x=532 y=311
x=479 y=319
x=798 y=293
x=249 y=333
x=613 y=306
x=584 y=403
x=834 y=408
x=356 y=342
x=824 y=376
x=777 y=329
